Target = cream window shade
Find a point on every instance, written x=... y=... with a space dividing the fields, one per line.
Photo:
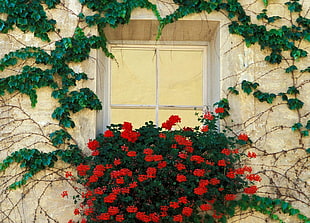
x=150 y=83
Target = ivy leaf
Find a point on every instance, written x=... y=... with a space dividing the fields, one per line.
x=265 y=3
x=233 y=90
x=308 y=150
x=294 y=103
x=292 y=90
x=248 y=86
x=291 y=69
x=296 y=126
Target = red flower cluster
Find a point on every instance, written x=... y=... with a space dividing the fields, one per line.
x=175 y=164
x=131 y=136
x=243 y=137
x=173 y=119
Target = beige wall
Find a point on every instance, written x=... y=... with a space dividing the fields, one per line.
x=281 y=158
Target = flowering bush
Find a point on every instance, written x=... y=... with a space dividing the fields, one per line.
x=155 y=174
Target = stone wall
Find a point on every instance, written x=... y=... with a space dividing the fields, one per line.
x=282 y=161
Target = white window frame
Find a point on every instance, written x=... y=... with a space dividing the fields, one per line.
x=107 y=97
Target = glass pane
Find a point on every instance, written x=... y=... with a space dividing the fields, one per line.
x=133 y=76
x=136 y=116
x=180 y=77
x=188 y=117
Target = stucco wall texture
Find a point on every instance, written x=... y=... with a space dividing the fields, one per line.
x=282 y=161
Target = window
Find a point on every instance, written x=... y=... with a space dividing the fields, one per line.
x=151 y=80
x=154 y=82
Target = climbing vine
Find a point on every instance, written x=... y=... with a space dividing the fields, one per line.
x=52 y=68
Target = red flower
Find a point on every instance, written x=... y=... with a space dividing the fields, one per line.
x=205 y=128
x=154 y=217
x=187 y=211
x=197 y=159
x=132 y=209
x=64 y=194
x=158 y=158
x=221 y=163
x=219 y=110
x=151 y=172
x=133 y=184
x=142 y=177
x=173 y=119
x=250 y=190
x=253 y=177
x=214 y=181
x=162 y=164
x=127 y=126
x=95 y=153
x=148 y=151
x=76 y=211
x=83 y=220
x=110 y=198
x=251 y=154
x=117 y=162
x=182 y=155
x=104 y=216
x=119 y=218
x=187 y=129
x=108 y=134
x=120 y=180
x=68 y=174
x=230 y=197
x=131 y=153
x=82 y=169
x=180 y=166
x=162 y=135
x=208 y=116
x=174 y=204
x=205 y=207
x=200 y=190
x=199 y=172
x=93 y=179
x=227 y=152
x=231 y=175
x=181 y=178
x=243 y=137
x=183 y=200
x=113 y=210
x=178 y=218
x=93 y=145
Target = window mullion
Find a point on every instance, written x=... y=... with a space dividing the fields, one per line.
x=157 y=86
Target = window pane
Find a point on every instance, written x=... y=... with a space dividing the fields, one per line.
x=188 y=117
x=133 y=76
x=136 y=116
x=180 y=77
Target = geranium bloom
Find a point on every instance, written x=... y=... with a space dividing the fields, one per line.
x=214 y=181
x=162 y=164
x=187 y=211
x=131 y=153
x=227 y=152
x=205 y=128
x=180 y=166
x=230 y=197
x=108 y=134
x=142 y=177
x=197 y=159
x=117 y=162
x=174 y=204
x=219 y=110
x=151 y=172
x=250 y=190
x=93 y=179
x=132 y=209
x=178 y=218
x=95 y=153
x=243 y=137
x=183 y=200
x=64 y=194
x=154 y=217
x=68 y=174
x=93 y=145
x=104 y=216
x=251 y=154
x=148 y=151
x=231 y=175
x=113 y=210
x=200 y=190
x=253 y=177
x=162 y=135
x=181 y=178
x=82 y=169
x=110 y=198
x=205 y=207
x=208 y=116
x=199 y=172
x=76 y=211
x=119 y=218
x=221 y=163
